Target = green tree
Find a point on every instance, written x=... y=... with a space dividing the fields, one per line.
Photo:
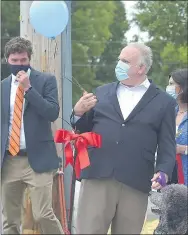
x=10 y=22
x=166 y=24
x=10 y=27
x=163 y=20
x=109 y=57
x=173 y=55
x=91 y=21
x=94 y=30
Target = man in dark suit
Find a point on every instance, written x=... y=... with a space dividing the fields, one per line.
x=29 y=102
x=134 y=118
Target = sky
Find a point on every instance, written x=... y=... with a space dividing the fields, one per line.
x=129 y=6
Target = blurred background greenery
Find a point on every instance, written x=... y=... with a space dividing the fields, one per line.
x=99 y=33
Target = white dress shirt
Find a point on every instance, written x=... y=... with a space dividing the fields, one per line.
x=128 y=97
x=14 y=86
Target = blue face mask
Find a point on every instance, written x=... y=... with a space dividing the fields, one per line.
x=121 y=71
x=14 y=69
x=171 y=90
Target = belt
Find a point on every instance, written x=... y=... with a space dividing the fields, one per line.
x=21 y=153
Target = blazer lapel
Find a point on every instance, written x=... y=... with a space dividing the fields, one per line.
x=114 y=100
x=25 y=105
x=147 y=97
x=32 y=77
x=6 y=96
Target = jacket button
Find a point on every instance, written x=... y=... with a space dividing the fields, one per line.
x=117 y=142
x=123 y=124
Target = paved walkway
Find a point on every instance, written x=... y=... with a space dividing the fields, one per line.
x=151 y=218
x=148 y=228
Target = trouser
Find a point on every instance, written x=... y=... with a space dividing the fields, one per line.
x=16 y=176
x=105 y=202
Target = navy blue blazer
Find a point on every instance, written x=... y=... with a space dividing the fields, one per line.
x=41 y=108
x=129 y=146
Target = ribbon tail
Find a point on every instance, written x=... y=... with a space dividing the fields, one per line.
x=77 y=168
x=180 y=169
x=68 y=155
x=83 y=157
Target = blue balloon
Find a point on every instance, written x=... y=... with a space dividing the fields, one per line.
x=49 y=18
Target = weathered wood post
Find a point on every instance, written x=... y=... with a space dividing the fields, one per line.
x=46 y=58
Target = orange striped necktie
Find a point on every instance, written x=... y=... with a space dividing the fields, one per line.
x=14 y=142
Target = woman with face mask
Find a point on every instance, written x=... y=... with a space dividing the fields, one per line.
x=178 y=88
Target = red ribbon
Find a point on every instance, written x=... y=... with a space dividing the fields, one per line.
x=180 y=169
x=81 y=142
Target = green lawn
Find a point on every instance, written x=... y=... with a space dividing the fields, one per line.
x=150 y=226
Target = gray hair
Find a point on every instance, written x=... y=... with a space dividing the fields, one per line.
x=146 y=54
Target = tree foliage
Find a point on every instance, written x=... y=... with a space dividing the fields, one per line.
x=174 y=55
x=98 y=29
x=94 y=31
x=10 y=23
x=10 y=27
x=109 y=57
x=166 y=24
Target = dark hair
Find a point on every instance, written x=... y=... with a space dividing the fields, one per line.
x=18 y=45
x=181 y=78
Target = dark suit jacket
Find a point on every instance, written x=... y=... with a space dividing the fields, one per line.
x=41 y=108
x=128 y=146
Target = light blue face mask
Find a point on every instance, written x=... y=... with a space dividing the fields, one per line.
x=121 y=71
x=171 y=90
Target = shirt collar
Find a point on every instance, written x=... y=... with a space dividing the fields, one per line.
x=146 y=83
x=14 y=77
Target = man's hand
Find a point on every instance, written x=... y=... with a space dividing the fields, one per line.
x=23 y=78
x=156 y=185
x=85 y=103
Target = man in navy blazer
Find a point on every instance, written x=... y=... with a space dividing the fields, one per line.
x=135 y=119
x=34 y=164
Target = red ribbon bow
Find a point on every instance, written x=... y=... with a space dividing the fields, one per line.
x=81 y=142
x=180 y=170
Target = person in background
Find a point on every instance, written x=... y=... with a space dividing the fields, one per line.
x=134 y=118
x=29 y=103
x=178 y=88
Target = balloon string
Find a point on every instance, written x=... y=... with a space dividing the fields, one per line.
x=75 y=82
x=65 y=121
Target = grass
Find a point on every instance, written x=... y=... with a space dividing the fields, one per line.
x=149 y=227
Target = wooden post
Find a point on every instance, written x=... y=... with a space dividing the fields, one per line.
x=46 y=52
x=46 y=58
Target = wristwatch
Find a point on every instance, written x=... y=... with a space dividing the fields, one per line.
x=186 y=150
